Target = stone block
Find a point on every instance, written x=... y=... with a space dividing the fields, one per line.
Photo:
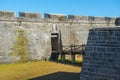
x=107 y=18
x=91 y=18
x=93 y=33
x=101 y=49
x=89 y=48
x=59 y=17
x=109 y=50
x=7 y=14
x=29 y=15
x=103 y=33
x=117 y=21
x=99 y=18
x=77 y=17
x=117 y=33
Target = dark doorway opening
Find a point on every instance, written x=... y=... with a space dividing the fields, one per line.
x=55 y=46
x=54 y=41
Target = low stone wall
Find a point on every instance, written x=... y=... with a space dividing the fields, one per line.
x=102 y=57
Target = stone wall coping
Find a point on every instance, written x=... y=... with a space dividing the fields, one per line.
x=52 y=16
x=106 y=29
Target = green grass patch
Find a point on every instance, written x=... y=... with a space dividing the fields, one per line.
x=30 y=70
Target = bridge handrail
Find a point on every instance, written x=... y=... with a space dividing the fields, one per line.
x=73 y=48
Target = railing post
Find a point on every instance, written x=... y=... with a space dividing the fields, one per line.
x=73 y=58
x=83 y=47
x=63 y=57
x=71 y=48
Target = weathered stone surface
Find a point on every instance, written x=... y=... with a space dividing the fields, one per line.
x=60 y=17
x=38 y=32
x=29 y=15
x=7 y=14
x=102 y=55
x=77 y=17
x=117 y=22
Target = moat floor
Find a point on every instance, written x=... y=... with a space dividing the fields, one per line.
x=40 y=70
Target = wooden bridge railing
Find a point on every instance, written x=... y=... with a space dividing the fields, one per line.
x=73 y=49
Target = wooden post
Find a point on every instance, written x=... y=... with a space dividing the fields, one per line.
x=63 y=57
x=73 y=58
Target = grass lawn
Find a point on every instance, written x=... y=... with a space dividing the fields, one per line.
x=39 y=70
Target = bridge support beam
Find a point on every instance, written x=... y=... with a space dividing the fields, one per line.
x=63 y=57
x=73 y=58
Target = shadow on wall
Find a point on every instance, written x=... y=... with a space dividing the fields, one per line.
x=59 y=76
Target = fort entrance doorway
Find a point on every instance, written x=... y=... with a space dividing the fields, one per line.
x=54 y=41
x=54 y=46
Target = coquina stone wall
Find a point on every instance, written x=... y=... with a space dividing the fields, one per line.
x=73 y=29
x=102 y=56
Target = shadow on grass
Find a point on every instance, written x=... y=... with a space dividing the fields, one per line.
x=59 y=76
x=67 y=62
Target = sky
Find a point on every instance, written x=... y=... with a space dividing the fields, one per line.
x=102 y=8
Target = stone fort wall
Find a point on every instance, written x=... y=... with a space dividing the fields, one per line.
x=102 y=55
x=73 y=29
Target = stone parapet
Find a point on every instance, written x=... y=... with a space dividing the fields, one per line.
x=62 y=18
x=77 y=17
x=59 y=17
x=29 y=15
x=7 y=14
